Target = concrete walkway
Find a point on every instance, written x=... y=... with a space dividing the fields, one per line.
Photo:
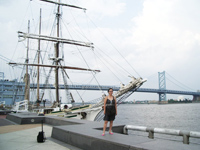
x=24 y=137
x=79 y=133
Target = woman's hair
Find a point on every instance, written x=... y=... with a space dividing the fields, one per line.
x=110 y=89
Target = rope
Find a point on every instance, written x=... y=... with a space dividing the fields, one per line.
x=85 y=90
x=102 y=51
x=69 y=99
x=114 y=47
x=18 y=84
x=108 y=68
x=112 y=67
x=100 y=115
x=86 y=62
x=72 y=83
x=99 y=48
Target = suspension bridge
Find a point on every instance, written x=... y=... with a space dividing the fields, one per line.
x=15 y=90
x=162 y=91
x=116 y=88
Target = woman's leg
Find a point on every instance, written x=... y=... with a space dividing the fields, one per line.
x=104 y=127
x=111 y=124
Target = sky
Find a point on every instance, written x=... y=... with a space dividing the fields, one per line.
x=131 y=37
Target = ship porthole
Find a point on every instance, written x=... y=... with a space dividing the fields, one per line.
x=65 y=107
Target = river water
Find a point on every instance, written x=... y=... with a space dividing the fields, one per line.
x=170 y=116
x=175 y=116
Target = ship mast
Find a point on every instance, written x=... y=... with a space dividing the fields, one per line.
x=57 y=41
x=38 y=67
x=57 y=55
x=27 y=75
x=57 y=60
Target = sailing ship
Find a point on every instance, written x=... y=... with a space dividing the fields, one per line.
x=92 y=111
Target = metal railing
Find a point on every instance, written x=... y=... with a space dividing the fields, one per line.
x=185 y=134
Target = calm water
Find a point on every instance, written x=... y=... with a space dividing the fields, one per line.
x=172 y=116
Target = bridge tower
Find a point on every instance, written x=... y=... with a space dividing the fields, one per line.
x=162 y=86
x=196 y=98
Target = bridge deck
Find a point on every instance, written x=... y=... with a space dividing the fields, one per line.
x=116 y=88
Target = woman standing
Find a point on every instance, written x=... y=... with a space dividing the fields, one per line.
x=110 y=110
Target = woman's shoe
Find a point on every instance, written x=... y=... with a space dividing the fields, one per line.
x=103 y=134
x=111 y=133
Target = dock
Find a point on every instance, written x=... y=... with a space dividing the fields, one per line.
x=81 y=134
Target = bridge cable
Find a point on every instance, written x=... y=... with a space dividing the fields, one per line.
x=179 y=82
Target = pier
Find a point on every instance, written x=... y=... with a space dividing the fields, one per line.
x=86 y=135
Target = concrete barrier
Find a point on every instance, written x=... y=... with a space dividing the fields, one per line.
x=86 y=135
x=25 y=118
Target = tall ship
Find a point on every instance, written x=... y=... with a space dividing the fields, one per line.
x=57 y=72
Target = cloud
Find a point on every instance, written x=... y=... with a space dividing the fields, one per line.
x=5 y=2
x=165 y=36
x=104 y=8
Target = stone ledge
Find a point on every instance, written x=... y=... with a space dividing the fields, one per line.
x=87 y=134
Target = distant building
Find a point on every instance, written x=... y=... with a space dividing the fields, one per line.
x=11 y=91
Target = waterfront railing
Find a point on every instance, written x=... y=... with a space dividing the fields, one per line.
x=185 y=134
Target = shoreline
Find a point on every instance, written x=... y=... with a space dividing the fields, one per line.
x=159 y=104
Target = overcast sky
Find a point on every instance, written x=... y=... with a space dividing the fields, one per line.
x=152 y=35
